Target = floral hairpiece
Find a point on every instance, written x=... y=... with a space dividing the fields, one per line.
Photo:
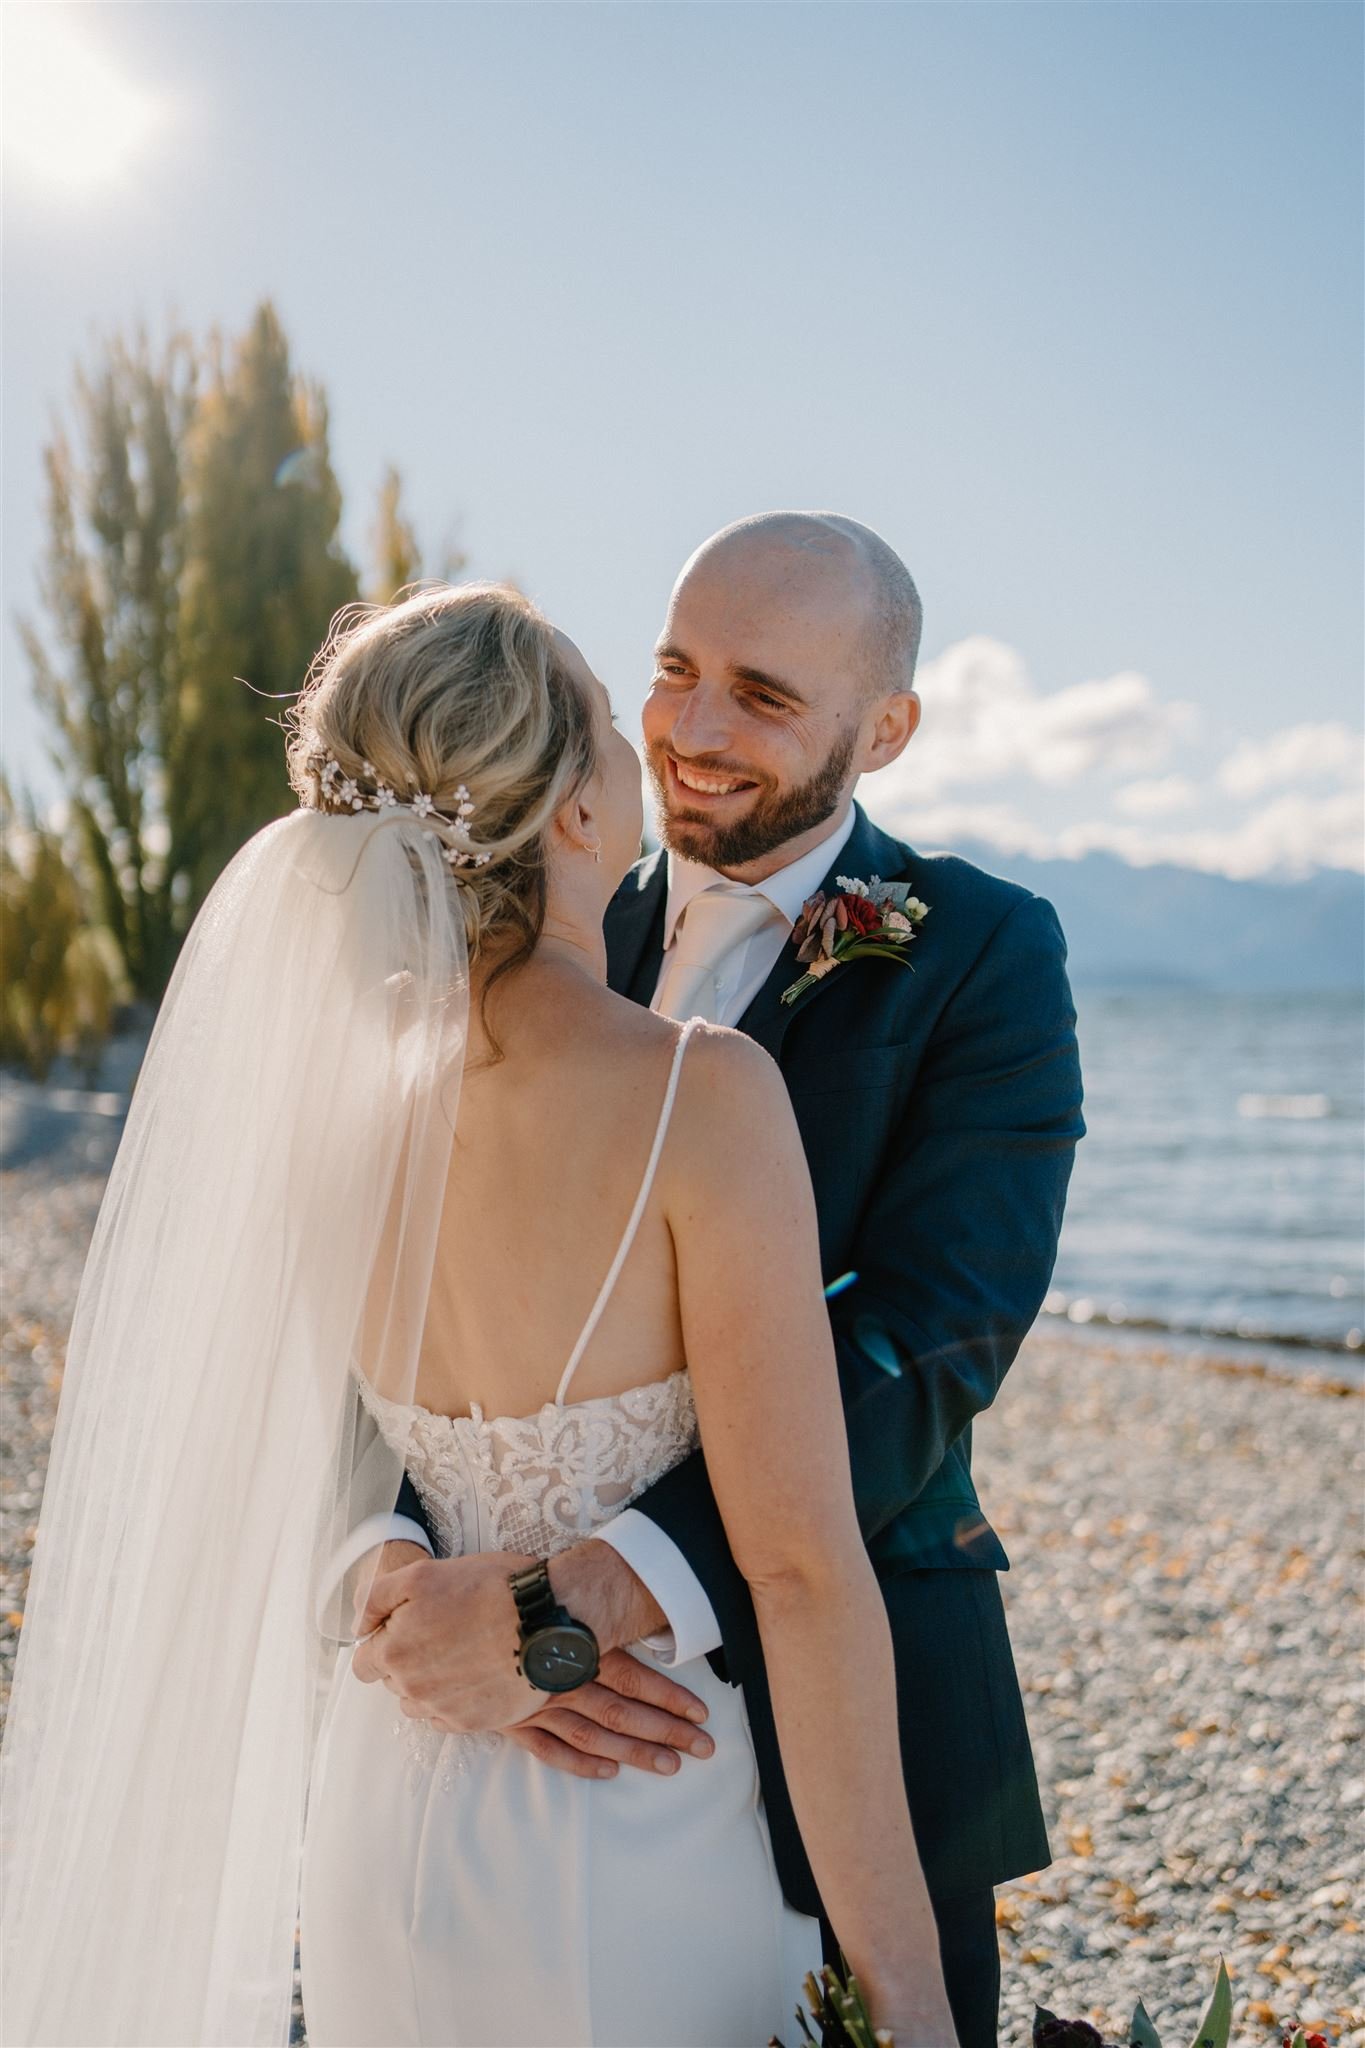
x=342 y=792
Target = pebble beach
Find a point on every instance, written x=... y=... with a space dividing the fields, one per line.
x=1186 y=1610
x=1185 y=1604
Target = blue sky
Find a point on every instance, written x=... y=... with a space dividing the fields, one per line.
x=1066 y=300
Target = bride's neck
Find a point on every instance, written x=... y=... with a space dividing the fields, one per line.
x=564 y=969
x=566 y=943
x=564 y=950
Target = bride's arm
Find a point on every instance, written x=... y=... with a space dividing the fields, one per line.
x=757 y=1338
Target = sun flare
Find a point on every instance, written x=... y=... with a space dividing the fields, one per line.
x=73 y=120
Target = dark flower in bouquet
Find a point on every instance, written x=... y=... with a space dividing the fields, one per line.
x=1212 y=2031
x=1050 y=2032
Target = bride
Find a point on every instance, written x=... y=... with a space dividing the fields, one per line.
x=405 y=1186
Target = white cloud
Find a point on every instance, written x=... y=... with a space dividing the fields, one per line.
x=936 y=826
x=985 y=721
x=1156 y=799
x=1288 y=759
x=1291 y=836
x=1058 y=775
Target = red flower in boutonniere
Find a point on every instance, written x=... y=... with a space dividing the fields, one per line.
x=876 y=919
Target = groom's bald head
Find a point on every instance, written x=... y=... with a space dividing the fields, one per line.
x=823 y=560
x=784 y=671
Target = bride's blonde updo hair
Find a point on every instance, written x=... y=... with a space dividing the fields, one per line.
x=456 y=694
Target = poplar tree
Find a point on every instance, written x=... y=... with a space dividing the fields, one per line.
x=108 y=675
x=397 y=556
x=264 y=574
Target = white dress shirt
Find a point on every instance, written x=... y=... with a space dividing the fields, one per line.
x=654 y=1557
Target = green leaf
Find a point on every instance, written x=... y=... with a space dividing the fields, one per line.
x=881 y=951
x=806 y=2034
x=1141 y=2032
x=1213 y=2030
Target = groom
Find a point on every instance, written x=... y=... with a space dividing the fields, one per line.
x=939 y=1112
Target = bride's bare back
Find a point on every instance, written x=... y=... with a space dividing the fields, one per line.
x=551 y=1146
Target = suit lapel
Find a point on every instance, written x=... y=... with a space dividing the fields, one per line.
x=635 y=930
x=869 y=851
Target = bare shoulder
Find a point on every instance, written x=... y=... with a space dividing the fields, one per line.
x=572 y=1019
x=733 y=1115
x=725 y=1077
x=625 y=1031
x=727 y=1071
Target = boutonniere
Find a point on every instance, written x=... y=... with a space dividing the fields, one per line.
x=874 y=919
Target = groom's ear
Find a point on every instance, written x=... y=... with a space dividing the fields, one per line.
x=894 y=722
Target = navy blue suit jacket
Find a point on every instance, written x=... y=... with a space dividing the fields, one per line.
x=939 y=1110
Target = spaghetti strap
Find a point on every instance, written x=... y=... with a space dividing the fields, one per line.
x=585 y=1337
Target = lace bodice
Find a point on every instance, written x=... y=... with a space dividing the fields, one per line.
x=537 y=1483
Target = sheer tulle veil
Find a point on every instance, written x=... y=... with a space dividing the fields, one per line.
x=268 y=1232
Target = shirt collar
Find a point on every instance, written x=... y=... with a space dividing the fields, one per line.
x=786 y=890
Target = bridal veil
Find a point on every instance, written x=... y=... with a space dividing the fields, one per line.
x=268 y=1231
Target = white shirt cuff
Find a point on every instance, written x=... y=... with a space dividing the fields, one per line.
x=367 y=1535
x=661 y=1567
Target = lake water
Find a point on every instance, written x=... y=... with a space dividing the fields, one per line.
x=1221 y=1188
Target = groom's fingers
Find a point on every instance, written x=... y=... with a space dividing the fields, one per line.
x=548 y=1749
x=634 y=1716
x=393 y=1555
x=388 y=1589
x=601 y=1724
x=365 y=1661
x=636 y=1680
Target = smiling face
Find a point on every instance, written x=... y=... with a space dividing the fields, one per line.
x=764 y=708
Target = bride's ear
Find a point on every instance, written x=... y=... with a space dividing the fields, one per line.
x=577 y=827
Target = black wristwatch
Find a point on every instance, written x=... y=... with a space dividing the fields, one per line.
x=557 y=1653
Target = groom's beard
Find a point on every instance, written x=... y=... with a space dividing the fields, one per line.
x=774 y=817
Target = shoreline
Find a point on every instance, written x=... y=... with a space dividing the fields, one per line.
x=1339 y=1373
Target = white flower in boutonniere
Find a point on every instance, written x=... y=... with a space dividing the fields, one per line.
x=875 y=919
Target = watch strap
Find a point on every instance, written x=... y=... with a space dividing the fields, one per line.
x=535 y=1599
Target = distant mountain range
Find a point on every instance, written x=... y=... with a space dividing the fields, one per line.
x=1178 y=928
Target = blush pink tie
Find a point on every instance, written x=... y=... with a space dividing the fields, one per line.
x=713 y=927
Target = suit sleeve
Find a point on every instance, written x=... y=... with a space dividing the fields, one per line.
x=409 y=1503
x=954 y=1250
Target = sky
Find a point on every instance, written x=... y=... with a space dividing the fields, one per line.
x=1064 y=300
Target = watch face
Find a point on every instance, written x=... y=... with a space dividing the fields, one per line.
x=560 y=1657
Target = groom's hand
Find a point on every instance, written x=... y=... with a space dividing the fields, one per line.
x=445 y=1639
x=632 y=1715
x=442 y=1635
x=393 y=1555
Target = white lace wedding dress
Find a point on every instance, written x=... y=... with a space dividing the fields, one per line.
x=459 y=1894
